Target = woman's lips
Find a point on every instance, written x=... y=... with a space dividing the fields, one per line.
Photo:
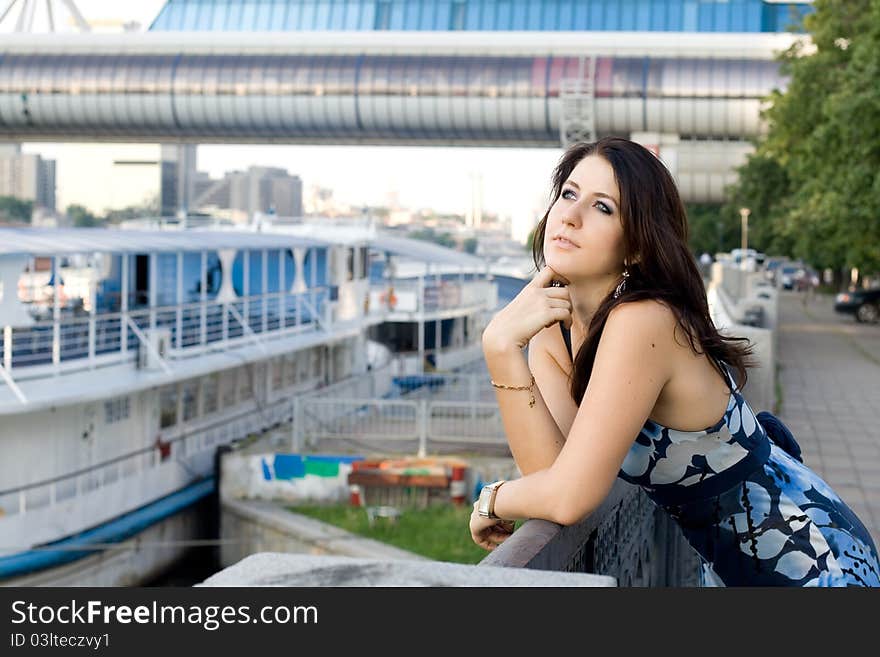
x=563 y=243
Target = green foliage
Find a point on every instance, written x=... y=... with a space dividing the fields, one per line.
x=15 y=209
x=438 y=532
x=430 y=235
x=530 y=240
x=81 y=217
x=813 y=184
x=709 y=231
x=470 y=245
x=149 y=208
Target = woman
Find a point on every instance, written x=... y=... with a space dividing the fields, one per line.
x=627 y=376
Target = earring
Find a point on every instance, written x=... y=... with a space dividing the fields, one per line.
x=622 y=285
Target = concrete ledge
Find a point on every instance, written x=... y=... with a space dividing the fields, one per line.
x=272 y=569
x=259 y=526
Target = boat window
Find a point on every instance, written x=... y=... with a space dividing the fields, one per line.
x=245 y=383
x=190 y=394
x=290 y=367
x=168 y=406
x=317 y=363
x=209 y=394
x=229 y=385
x=117 y=410
x=277 y=366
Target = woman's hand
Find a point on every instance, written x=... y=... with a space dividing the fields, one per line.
x=489 y=533
x=537 y=306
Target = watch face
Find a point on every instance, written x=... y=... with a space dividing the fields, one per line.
x=483 y=504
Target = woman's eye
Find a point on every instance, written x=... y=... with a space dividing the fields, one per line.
x=602 y=207
x=568 y=194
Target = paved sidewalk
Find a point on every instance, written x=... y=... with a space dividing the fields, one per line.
x=829 y=371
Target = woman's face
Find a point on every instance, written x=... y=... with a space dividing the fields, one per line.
x=583 y=240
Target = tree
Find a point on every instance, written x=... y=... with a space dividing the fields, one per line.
x=81 y=217
x=530 y=240
x=709 y=230
x=470 y=245
x=149 y=207
x=813 y=183
x=15 y=209
x=430 y=235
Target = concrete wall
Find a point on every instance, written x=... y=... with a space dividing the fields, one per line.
x=285 y=477
x=251 y=526
x=731 y=293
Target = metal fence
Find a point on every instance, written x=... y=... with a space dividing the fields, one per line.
x=628 y=538
x=76 y=341
x=425 y=413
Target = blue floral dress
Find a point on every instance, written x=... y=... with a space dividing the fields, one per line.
x=756 y=515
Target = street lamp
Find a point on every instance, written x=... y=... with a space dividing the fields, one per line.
x=744 y=227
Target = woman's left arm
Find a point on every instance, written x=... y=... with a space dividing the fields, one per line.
x=633 y=363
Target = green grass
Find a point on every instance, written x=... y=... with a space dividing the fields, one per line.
x=438 y=532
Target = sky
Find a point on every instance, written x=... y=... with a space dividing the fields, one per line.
x=515 y=181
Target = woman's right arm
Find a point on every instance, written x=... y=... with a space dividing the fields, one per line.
x=535 y=434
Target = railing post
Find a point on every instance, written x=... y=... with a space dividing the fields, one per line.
x=423 y=428
x=296 y=425
x=56 y=314
x=203 y=301
x=123 y=306
x=472 y=395
x=178 y=318
x=264 y=280
x=282 y=292
x=7 y=349
x=225 y=322
x=246 y=287
x=153 y=293
x=92 y=339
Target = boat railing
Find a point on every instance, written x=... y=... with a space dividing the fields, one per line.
x=430 y=296
x=185 y=444
x=73 y=342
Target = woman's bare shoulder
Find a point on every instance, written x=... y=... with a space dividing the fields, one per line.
x=645 y=323
x=547 y=343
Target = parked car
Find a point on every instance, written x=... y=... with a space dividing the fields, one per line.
x=864 y=304
x=771 y=267
x=789 y=274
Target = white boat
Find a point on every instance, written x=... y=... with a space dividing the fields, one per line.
x=129 y=357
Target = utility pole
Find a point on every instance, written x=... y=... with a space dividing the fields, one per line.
x=744 y=228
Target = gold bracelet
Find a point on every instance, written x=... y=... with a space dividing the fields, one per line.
x=528 y=387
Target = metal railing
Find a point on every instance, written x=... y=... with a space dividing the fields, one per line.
x=184 y=446
x=73 y=342
x=628 y=538
x=429 y=413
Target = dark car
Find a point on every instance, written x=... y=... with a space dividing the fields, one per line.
x=864 y=304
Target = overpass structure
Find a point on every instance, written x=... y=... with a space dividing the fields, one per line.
x=692 y=96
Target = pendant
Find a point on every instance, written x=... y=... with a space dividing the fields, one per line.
x=531 y=401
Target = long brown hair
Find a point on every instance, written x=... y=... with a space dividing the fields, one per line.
x=661 y=266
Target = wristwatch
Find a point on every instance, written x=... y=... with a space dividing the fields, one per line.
x=486 y=504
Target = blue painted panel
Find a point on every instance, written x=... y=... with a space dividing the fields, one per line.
x=289 y=466
x=326 y=458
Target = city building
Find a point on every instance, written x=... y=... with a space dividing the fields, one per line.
x=27 y=176
x=259 y=190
